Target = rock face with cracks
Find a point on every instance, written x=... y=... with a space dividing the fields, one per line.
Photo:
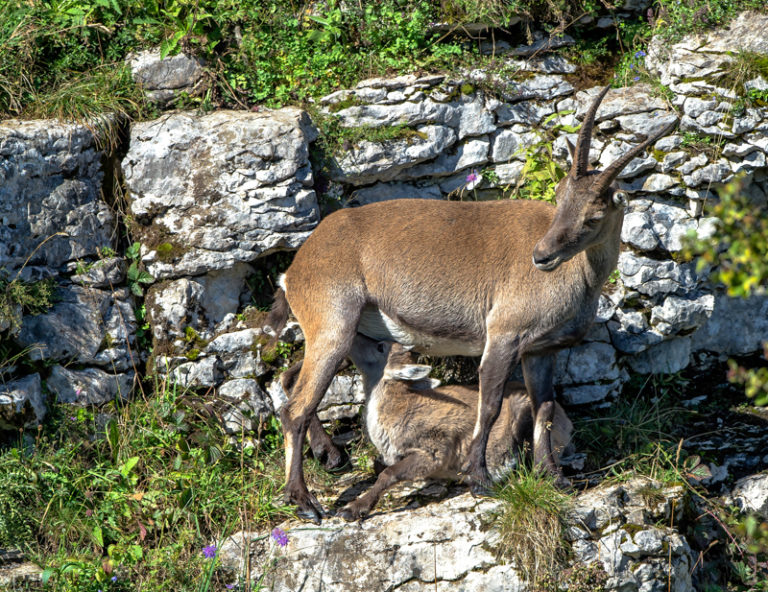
x=455 y=544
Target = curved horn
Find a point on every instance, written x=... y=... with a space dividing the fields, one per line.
x=609 y=174
x=581 y=160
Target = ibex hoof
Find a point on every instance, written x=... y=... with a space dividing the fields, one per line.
x=562 y=482
x=351 y=514
x=307 y=507
x=479 y=489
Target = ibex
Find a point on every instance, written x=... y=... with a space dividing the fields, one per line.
x=422 y=430
x=511 y=281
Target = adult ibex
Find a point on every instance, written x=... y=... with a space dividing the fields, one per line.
x=511 y=281
x=422 y=430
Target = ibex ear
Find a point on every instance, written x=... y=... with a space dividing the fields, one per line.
x=571 y=148
x=410 y=372
x=620 y=199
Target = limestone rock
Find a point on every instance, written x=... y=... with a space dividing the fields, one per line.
x=90 y=386
x=21 y=403
x=383 y=161
x=453 y=545
x=717 y=333
x=682 y=314
x=50 y=195
x=190 y=309
x=666 y=357
x=208 y=191
x=750 y=494
x=343 y=399
x=248 y=406
x=87 y=326
x=386 y=191
x=104 y=273
x=653 y=277
x=163 y=79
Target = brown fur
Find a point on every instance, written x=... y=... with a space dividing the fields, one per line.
x=428 y=431
x=513 y=280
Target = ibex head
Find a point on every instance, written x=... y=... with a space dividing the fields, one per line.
x=588 y=203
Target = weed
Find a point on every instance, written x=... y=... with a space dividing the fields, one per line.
x=531 y=524
x=634 y=424
x=135 y=275
x=541 y=172
x=137 y=499
x=18 y=297
x=674 y=18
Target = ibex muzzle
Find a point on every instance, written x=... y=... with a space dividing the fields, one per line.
x=513 y=281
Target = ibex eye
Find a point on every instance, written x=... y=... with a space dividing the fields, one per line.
x=594 y=221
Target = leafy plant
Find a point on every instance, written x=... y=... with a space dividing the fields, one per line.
x=135 y=276
x=739 y=253
x=135 y=500
x=542 y=172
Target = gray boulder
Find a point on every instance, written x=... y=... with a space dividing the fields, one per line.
x=163 y=79
x=50 y=194
x=90 y=386
x=208 y=191
x=22 y=403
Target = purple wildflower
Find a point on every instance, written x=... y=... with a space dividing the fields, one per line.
x=631 y=66
x=209 y=551
x=114 y=578
x=279 y=536
x=230 y=586
x=472 y=179
x=640 y=54
x=636 y=78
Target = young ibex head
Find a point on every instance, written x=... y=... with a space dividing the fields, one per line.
x=587 y=200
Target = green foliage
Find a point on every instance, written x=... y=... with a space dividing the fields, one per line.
x=18 y=297
x=541 y=172
x=136 y=499
x=135 y=276
x=739 y=249
x=531 y=524
x=675 y=18
x=739 y=254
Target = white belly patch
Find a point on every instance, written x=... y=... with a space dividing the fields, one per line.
x=377 y=325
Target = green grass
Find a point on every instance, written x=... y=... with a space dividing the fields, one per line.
x=64 y=58
x=19 y=297
x=136 y=498
x=531 y=525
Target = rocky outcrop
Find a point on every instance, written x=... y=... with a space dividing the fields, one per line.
x=455 y=544
x=214 y=190
x=57 y=225
x=209 y=195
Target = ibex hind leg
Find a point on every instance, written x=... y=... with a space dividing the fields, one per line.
x=323 y=448
x=322 y=357
x=538 y=371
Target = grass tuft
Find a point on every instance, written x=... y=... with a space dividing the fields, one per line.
x=531 y=525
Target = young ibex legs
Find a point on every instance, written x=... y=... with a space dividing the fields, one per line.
x=511 y=281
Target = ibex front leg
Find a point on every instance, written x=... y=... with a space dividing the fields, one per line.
x=538 y=372
x=498 y=357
